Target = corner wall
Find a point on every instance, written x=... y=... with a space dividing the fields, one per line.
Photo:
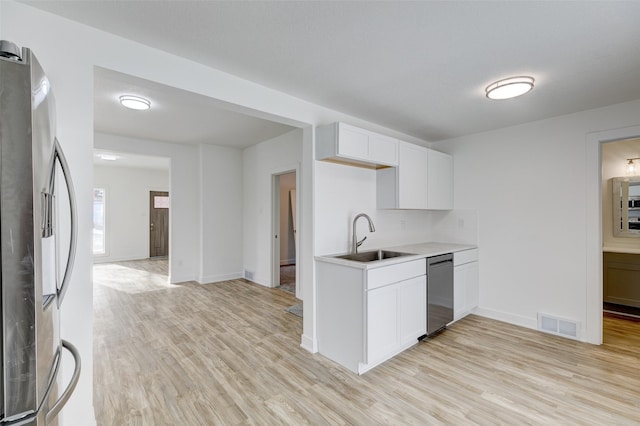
x=221 y=202
x=343 y=191
x=260 y=162
x=527 y=184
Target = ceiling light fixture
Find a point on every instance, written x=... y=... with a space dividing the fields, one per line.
x=631 y=166
x=509 y=87
x=135 y=102
x=109 y=157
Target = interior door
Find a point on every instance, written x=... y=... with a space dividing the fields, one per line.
x=158 y=223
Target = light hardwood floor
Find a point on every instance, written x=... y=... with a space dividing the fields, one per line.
x=228 y=353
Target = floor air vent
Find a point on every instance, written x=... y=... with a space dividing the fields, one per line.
x=558 y=326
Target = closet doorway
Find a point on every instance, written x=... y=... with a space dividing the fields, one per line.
x=285 y=243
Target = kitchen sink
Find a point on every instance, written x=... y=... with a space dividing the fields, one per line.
x=372 y=256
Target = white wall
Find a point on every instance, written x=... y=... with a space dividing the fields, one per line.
x=127 y=209
x=527 y=184
x=341 y=192
x=614 y=155
x=184 y=235
x=274 y=156
x=287 y=236
x=221 y=201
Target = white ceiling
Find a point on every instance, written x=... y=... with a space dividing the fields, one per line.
x=416 y=67
x=125 y=159
x=175 y=116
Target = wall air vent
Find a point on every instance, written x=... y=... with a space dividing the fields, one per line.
x=558 y=326
x=248 y=275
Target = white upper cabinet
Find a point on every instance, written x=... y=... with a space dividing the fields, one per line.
x=439 y=181
x=423 y=180
x=344 y=143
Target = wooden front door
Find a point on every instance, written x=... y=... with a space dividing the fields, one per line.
x=158 y=223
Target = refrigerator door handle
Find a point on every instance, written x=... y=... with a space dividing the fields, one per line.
x=55 y=409
x=74 y=237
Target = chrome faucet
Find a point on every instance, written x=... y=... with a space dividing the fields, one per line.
x=357 y=243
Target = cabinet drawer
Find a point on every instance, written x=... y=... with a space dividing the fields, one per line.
x=394 y=273
x=465 y=256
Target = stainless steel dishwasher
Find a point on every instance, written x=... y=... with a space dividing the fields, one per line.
x=439 y=293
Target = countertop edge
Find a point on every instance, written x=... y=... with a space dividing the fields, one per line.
x=417 y=251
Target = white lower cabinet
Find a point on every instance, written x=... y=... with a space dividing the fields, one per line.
x=413 y=309
x=465 y=283
x=396 y=317
x=366 y=317
x=382 y=322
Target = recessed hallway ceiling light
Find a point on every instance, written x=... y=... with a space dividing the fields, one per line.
x=135 y=102
x=109 y=157
x=509 y=87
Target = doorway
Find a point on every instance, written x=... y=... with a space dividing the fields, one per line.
x=285 y=245
x=594 y=229
x=621 y=229
x=158 y=224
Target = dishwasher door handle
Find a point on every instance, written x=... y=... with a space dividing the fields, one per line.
x=435 y=260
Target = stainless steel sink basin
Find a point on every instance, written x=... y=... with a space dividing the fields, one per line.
x=372 y=256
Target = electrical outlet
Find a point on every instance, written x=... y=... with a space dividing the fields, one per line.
x=460 y=223
x=403 y=224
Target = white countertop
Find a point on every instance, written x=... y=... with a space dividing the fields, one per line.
x=630 y=250
x=417 y=251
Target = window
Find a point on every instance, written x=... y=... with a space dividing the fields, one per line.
x=99 y=222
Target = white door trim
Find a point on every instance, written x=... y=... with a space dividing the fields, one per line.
x=275 y=224
x=593 y=243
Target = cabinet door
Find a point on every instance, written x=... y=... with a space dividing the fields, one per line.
x=382 y=322
x=439 y=181
x=459 y=292
x=473 y=286
x=412 y=176
x=413 y=308
x=465 y=289
x=383 y=150
x=353 y=143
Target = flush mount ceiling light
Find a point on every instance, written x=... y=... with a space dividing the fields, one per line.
x=135 y=102
x=509 y=87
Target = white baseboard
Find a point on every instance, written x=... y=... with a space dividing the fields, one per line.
x=217 y=278
x=520 y=320
x=108 y=259
x=175 y=279
x=309 y=344
x=287 y=262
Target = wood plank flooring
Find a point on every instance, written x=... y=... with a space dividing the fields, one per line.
x=228 y=354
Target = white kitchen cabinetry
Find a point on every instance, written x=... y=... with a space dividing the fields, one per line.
x=439 y=180
x=367 y=316
x=465 y=283
x=349 y=144
x=404 y=187
x=423 y=180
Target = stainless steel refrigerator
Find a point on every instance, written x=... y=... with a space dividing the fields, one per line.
x=36 y=203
